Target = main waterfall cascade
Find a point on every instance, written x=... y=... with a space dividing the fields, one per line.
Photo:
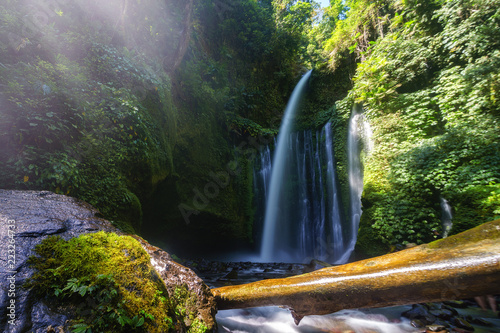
x=276 y=197
x=308 y=221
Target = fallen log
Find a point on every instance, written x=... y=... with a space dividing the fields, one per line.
x=457 y=267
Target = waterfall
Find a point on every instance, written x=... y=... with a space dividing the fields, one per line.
x=303 y=215
x=446 y=216
x=336 y=223
x=261 y=180
x=276 y=193
x=359 y=130
x=309 y=223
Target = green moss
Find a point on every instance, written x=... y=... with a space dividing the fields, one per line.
x=340 y=123
x=197 y=327
x=185 y=306
x=184 y=302
x=368 y=243
x=489 y=230
x=105 y=281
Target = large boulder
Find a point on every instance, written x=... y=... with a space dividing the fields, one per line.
x=28 y=217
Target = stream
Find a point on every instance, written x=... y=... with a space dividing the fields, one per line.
x=440 y=317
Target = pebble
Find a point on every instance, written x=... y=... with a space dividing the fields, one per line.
x=436 y=328
x=417 y=323
x=462 y=323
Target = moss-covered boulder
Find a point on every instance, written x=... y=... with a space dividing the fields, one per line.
x=72 y=270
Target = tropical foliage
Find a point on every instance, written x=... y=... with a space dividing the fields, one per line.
x=429 y=86
x=132 y=105
x=82 y=113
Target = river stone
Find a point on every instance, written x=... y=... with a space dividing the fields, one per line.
x=420 y=312
x=444 y=314
x=462 y=323
x=456 y=304
x=417 y=323
x=436 y=328
x=28 y=217
x=479 y=321
x=203 y=307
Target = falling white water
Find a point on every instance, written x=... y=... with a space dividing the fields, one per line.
x=309 y=219
x=446 y=217
x=318 y=202
x=303 y=214
x=265 y=171
x=276 y=186
x=336 y=223
x=359 y=129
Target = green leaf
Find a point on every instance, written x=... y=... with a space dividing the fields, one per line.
x=83 y=291
x=80 y=328
x=121 y=320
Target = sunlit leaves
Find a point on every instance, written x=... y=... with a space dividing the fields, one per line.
x=430 y=89
x=470 y=28
x=397 y=63
x=364 y=22
x=297 y=17
x=467 y=94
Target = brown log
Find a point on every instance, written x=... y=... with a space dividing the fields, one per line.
x=458 y=267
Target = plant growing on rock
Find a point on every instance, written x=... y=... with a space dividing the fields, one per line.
x=105 y=283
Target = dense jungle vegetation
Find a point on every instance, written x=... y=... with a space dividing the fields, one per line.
x=153 y=110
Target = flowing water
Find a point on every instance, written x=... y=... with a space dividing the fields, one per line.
x=297 y=187
x=298 y=190
x=278 y=320
x=273 y=319
x=446 y=216
x=359 y=135
x=273 y=227
x=309 y=223
x=304 y=218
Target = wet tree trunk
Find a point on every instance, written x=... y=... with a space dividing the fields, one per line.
x=460 y=266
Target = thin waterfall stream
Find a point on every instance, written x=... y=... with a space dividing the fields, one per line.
x=446 y=216
x=359 y=132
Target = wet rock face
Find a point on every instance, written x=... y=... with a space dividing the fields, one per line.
x=28 y=217
x=199 y=302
